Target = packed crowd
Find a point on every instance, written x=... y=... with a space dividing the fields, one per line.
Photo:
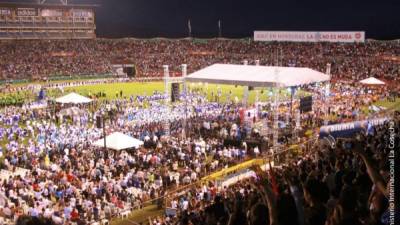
x=69 y=180
x=42 y=58
x=347 y=184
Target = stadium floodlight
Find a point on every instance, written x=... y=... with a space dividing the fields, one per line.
x=64 y=2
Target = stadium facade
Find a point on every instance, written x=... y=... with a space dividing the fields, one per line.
x=47 y=21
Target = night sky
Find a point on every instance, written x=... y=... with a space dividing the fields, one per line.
x=169 y=18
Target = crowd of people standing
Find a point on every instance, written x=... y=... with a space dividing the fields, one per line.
x=55 y=172
x=37 y=59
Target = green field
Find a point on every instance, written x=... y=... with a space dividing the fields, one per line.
x=110 y=90
x=139 y=88
x=135 y=88
x=388 y=105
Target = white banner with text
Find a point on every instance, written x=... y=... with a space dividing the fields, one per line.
x=310 y=36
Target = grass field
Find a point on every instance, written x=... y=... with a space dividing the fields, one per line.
x=110 y=90
x=136 y=88
x=388 y=105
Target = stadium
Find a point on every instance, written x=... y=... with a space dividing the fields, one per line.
x=276 y=127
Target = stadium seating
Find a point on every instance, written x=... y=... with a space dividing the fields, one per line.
x=349 y=61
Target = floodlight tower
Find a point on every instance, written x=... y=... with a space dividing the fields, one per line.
x=64 y=2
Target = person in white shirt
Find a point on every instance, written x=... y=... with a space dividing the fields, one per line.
x=57 y=219
x=48 y=212
x=174 y=204
x=185 y=205
x=193 y=176
x=256 y=151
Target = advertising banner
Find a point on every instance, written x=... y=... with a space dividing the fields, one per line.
x=27 y=12
x=81 y=13
x=5 y=12
x=310 y=36
x=51 y=13
x=347 y=130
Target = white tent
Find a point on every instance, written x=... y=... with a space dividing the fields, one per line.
x=119 y=141
x=372 y=81
x=73 y=98
x=257 y=76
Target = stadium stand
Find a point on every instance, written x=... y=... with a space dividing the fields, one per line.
x=36 y=59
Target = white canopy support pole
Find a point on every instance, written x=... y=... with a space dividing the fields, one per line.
x=298 y=124
x=257 y=96
x=167 y=97
x=289 y=114
x=104 y=131
x=245 y=95
x=245 y=89
x=184 y=74
x=294 y=91
x=275 y=131
x=298 y=119
x=287 y=117
x=257 y=92
x=327 y=94
x=328 y=69
x=166 y=77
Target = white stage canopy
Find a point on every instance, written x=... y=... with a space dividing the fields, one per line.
x=372 y=81
x=73 y=98
x=119 y=141
x=257 y=76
